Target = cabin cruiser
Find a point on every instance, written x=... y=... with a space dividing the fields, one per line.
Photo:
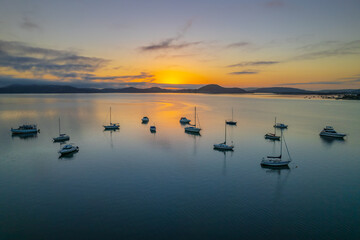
x=145 y=119
x=69 y=148
x=184 y=120
x=280 y=125
x=329 y=131
x=29 y=128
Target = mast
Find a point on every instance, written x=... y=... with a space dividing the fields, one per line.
x=281 y=143
x=195 y=116
x=232 y=114
x=59 y=126
x=110 y=115
x=275 y=127
x=225 y=133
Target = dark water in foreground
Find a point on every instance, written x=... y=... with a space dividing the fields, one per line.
x=132 y=184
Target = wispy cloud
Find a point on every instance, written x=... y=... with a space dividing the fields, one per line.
x=332 y=49
x=172 y=43
x=27 y=24
x=339 y=81
x=257 y=63
x=245 y=72
x=39 y=61
x=238 y=45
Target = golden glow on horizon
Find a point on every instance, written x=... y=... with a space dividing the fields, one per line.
x=179 y=77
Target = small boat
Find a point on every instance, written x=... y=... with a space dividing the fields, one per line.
x=280 y=125
x=62 y=136
x=193 y=128
x=184 y=120
x=223 y=146
x=68 y=148
x=153 y=129
x=26 y=128
x=329 y=131
x=111 y=126
x=145 y=120
x=231 y=122
x=276 y=161
x=272 y=136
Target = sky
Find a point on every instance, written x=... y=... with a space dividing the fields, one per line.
x=181 y=44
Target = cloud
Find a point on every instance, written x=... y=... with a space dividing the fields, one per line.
x=172 y=43
x=238 y=45
x=39 y=61
x=28 y=24
x=340 y=49
x=345 y=80
x=258 y=63
x=274 y=4
x=245 y=72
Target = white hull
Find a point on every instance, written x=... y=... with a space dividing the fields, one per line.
x=71 y=150
x=332 y=135
x=274 y=162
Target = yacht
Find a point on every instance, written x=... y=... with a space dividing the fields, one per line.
x=329 y=131
x=280 y=125
x=68 y=148
x=272 y=136
x=193 y=128
x=26 y=128
x=231 y=122
x=184 y=120
x=111 y=126
x=223 y=146
x=277 y=161
x=145 y=119
x=62 y=136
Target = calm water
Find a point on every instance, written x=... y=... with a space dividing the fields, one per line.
x=132 y=184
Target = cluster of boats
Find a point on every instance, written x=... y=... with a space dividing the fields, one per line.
x=271 y=161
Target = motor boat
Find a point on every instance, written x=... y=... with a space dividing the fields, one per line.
x=68 y=148
x=62 y=136
x=193 y=128
x=184 y=120
x=145 y=119
x=329 y=131
x=223 y=146
x=26 y=128
x=280 y=125
x=153 y=129
x=231 y=122
x=111 y=126
x=277 y=161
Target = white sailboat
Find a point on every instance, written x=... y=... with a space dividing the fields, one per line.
x=223 y=146
x=193 y=128
x=231 y=122
x=112 y=126
x=62 y=136
x=272 y=136
x=277 y=161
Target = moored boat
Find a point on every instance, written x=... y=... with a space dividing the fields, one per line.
x=145 y=120
x=223 y=146
x=184 y=120
x=329 y=131
x=111 y=126
x=193 y=128
x=26 y=128
x=68 y=148
x=62 y=136
x=231 y=122
x=277 y=161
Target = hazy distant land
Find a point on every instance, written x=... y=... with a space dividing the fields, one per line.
x=207 y=89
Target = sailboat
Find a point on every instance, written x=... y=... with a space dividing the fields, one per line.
x=231 y=122
x=112 y=126
x=62 y=136
x=223 y=146
x=272 y=136
x=193 y=128
x=277 y=161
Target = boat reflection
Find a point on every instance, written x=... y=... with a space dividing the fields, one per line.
x=24 y=135
x=329 y=140
x=111 y=132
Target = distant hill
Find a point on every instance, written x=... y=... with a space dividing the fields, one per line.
x=214 y=88
x=18 y=88
x=281 y=90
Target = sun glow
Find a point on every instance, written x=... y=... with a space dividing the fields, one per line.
x=178 y=77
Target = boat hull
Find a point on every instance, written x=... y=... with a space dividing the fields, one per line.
x=274 y=162
x=61 y=139
x=185 y=121
x=67 y=151
x=282 y=126
x=272 y=137
x=332 y=135
x=22 y=131
x=223 y=147
x=192 y=130
x=231 y=122
x=111 y=127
